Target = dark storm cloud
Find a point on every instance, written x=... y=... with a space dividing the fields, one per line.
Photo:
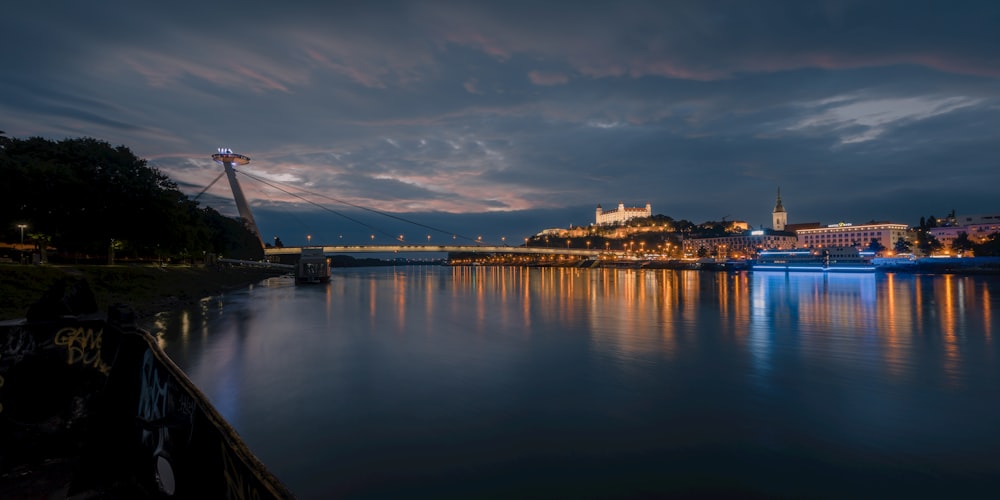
x=513 y=110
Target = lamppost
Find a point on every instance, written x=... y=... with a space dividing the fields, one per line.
x=22 y=227
x=309 y=239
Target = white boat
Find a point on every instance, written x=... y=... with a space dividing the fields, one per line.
x=312 y=267
x=825 y=260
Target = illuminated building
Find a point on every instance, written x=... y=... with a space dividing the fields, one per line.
x=746 y=244
x=620 y=215
x=857 y=235
x=978 y=227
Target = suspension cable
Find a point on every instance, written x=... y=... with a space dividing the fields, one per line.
x=208 y=186
x=384 y=214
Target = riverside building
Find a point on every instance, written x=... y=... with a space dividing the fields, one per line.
x=744 y=245
x=978 y=227
x=748 y=243
x=856 y=235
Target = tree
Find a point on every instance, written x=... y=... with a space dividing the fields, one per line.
x=903 y=245
x=989 y=247
x=962 y=243
x=927 y=243
x=83 y=193
x=876 y=246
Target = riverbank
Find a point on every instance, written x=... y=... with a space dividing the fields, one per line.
x=148 y=289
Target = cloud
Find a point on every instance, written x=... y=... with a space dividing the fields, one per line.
x=547 y=78
x=860 y=119
x=485 y=107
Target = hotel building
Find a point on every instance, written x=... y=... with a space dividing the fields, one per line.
x=860 y=235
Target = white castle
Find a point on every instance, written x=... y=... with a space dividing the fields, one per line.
x=621 y=215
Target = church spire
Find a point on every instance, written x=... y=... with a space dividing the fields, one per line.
x=778 y=217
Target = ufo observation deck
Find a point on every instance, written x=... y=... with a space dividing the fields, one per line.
x=228 y=156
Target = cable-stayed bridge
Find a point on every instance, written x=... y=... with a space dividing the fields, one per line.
x=227 y=158
x=436 y=248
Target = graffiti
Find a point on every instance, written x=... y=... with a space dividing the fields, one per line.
x=237 y=487
x=17 y=344
x=82 y=346
x=153 y=393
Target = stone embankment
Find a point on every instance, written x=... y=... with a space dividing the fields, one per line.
x=147 y=289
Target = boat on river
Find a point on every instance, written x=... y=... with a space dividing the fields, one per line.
x=312 y=267
x=823 y=260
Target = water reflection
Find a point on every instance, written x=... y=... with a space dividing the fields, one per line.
x=447 y=377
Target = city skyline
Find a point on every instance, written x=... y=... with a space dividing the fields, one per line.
x=500 y=120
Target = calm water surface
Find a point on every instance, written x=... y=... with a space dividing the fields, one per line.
x=567 y=383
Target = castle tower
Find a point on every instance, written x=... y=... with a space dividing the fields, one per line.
x=779 y=217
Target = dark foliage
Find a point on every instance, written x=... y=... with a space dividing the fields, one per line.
x=87 y=197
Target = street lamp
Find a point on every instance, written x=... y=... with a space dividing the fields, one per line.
x=22 y=227
x=309 y=239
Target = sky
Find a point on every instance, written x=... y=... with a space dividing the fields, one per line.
x=500 y=119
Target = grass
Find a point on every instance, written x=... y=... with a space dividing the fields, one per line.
x=147 y=289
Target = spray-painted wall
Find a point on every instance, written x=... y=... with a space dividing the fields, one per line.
x=100 y=391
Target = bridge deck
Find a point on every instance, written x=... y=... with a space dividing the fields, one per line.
x=333 y=249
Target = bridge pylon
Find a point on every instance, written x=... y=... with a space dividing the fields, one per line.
x=227 y=158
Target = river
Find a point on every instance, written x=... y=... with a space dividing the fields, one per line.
x=508 y=382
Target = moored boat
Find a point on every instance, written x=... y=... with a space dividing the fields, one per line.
x=312 y=267
x=829 y=259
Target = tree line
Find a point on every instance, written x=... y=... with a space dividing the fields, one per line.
x=86 y=198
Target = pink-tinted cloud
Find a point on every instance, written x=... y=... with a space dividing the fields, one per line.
x=548 y=78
